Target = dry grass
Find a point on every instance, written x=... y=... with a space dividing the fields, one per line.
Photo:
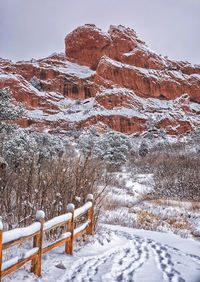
x=111 y=204
x=179 y=223
x=188 y=205
x=150 y=221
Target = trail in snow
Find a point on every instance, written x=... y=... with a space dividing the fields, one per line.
x=123 y=263
x=130 y=255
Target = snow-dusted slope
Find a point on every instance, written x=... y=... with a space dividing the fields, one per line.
x=129 y=114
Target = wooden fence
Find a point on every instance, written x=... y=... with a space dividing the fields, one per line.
x=36 y=231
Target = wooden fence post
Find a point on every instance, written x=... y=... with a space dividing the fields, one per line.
x=69 y=245
x=90 y=198
x=38 y=242
x=1 y=243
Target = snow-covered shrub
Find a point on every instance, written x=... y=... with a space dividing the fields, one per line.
x=195 y=134
x=87 y=142
x=150 y=123
x=177 y=176
x=198 y=150
x=113 y=147
x=78 y=102
x=74 y=132
x=169 y=67
x=175 y=168
x=70 y=111
x=19 y=148
x=143 y=149
x=3 y=163
x=24 y=147
x=86 y=112
x=8 y=112
x=36 y=83
x=48 y=146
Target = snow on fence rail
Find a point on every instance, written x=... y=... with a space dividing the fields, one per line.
x=36 y=231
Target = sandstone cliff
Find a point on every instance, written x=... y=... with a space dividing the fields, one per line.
x=105 y=79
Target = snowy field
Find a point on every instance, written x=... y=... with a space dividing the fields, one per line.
x=122 y=254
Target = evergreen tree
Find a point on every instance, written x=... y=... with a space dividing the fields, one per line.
x=143 y=149
x=195 y=134
x=48 y=146
x=87 y=141
x=36 y=83
x=19 y=148
x=114 y=148
x=8 y=111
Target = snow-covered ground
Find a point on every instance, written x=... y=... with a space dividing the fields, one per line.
x=122 y=254
x=127 y=205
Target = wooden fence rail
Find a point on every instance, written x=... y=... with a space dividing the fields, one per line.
x=36 y=231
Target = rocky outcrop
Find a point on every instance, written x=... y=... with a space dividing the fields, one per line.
x=121 y=58
x=86 y=45
x=107 y=79
x=148 y=82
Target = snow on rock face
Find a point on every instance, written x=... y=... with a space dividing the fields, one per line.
x=88 y=45
x=112 y=79
x=149 y=82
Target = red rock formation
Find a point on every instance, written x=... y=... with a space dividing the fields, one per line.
x=86 y=45
x=120 y=82
x=133 y=64
x=148 y=82
x=117 y=122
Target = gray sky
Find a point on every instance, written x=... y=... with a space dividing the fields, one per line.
x=37 y=28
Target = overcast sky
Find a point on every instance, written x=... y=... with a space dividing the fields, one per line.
x=37 y=28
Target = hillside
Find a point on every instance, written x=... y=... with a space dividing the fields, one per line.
x=108 y=80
